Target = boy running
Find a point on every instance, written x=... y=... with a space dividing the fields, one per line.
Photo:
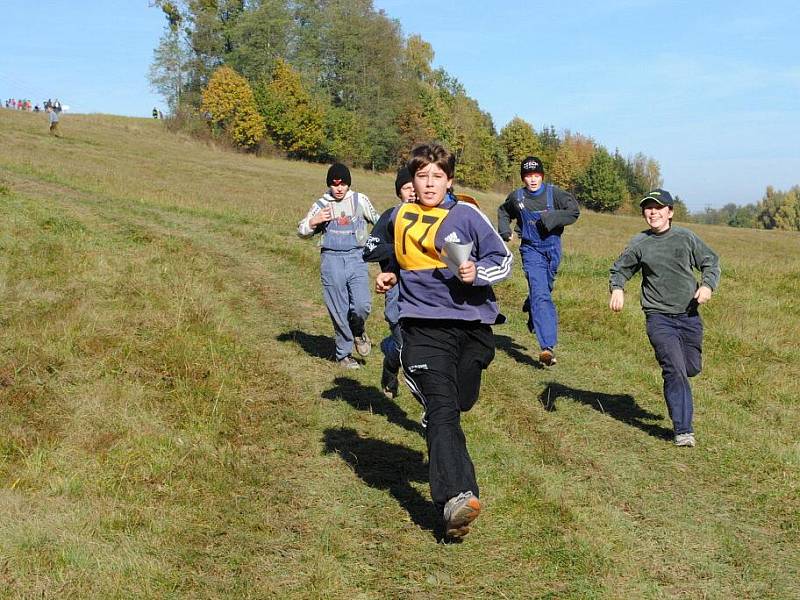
x=341 y=217
x=446 y=320
x=667 y=255
x=541 y=211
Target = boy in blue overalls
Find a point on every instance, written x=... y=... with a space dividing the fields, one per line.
x=541 y=211
x=341 y=216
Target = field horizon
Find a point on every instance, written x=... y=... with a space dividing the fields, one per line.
x=172 y=424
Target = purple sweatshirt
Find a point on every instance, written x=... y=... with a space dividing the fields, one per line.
x=428 y=289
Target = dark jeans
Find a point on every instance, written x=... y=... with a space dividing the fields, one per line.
x=443 y=362
x=678 y=344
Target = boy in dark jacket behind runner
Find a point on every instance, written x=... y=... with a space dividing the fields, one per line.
x=667 y=256
x=541 y=211
x=376 y=250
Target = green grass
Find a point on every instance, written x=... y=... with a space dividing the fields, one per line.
x=171 y=425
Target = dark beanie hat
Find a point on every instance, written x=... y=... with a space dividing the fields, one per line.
x=403 y=177
x=531 y=164
x=338 y=172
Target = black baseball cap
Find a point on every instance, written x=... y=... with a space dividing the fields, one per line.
x=531 y=164
x=659 y=196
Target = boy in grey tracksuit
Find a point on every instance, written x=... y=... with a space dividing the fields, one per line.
x=667 y=256
x=341 y=216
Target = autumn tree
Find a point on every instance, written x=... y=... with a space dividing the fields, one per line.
x=780 y=210
x=571 y=160
x=231 y=108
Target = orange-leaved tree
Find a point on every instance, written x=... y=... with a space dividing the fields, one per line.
x=230 y=107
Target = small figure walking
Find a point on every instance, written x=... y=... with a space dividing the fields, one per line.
x=667 y=256
x=53 y=116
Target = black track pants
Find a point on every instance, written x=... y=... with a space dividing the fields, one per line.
x=443 y=362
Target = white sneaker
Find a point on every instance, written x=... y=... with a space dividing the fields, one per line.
x=685 y=440
x=459 y=512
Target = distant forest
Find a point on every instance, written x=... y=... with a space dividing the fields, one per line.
x=325 y=80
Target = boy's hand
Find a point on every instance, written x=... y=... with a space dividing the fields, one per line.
x=617 y=300
x=323 y=216
x=467 y=271
x=703 y=294
x=384 y=282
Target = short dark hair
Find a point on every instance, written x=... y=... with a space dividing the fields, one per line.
x=433 y=153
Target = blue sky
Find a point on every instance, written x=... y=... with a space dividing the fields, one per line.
x=709 y=89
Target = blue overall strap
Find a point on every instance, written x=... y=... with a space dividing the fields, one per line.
x=549 y=191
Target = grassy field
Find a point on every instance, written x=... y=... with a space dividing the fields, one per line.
x=171 y=424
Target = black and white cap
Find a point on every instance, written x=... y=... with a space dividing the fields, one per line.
x=662 y=197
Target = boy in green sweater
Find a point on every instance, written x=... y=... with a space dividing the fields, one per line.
x=667 y=256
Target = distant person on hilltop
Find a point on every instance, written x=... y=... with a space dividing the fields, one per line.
x=447 y=310
x=53 y=119
x=380 y=251
x=155 y=112
x=667 y=255
x=541 y=211
x=341 y=217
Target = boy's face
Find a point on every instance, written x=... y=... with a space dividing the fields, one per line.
x=407 y=193
x=657 y=216
x=431 y=184
x=533 y=181
x=338 y=190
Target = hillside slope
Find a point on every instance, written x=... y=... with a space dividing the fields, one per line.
x=171 y=424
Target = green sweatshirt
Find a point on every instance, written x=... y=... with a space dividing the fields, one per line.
x=667 y=261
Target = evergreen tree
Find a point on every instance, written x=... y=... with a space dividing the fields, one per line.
x=294 y=121
x=600 y=187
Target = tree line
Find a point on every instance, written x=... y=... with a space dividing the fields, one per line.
x=776 y=210
x=326 y=80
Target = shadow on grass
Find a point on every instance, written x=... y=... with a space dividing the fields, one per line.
x=386 y=466
x=622 y=407
x=319 y=346
x=371 y=399
x=515 y=351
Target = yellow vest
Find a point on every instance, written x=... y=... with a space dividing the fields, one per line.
x=415 y=228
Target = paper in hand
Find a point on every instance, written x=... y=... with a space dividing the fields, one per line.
x=453 y=255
